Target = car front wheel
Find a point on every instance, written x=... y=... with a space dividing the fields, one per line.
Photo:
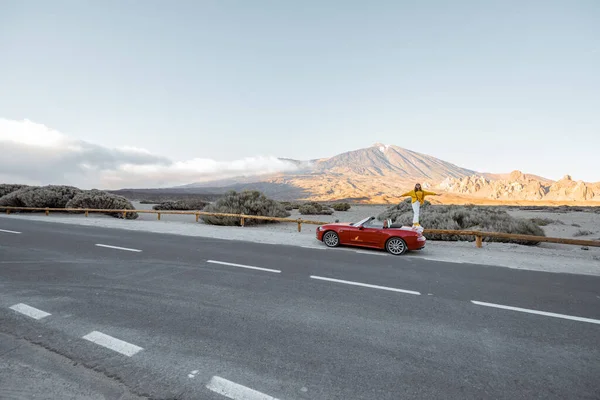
x=331 y=239
x=396 y=246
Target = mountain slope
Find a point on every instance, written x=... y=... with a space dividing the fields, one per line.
x=380 y=173
x=386 y=160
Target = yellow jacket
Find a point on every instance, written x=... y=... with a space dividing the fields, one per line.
x=420 y=195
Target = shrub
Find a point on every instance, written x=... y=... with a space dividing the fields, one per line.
x=314 y=209
x=181 y=205
x=582 y=232
x=287 y=205
x=290 y=206
x=249 y=202
x=102 y=200
x=475 y=218
x=546 y=221
x=341 y=206
x=6 y=188
x=576 y=225
x=51 y=196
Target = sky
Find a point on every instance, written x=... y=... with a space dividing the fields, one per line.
x=141 y=93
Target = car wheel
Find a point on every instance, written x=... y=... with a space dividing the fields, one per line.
x=396 y=246
x=331 y=239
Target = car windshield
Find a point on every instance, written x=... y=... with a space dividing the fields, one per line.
x=362 y=221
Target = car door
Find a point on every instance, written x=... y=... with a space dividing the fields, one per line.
x=347 y=234
x=370 y=236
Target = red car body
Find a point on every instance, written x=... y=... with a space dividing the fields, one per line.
x=373 y=234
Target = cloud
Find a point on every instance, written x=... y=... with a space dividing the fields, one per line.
x=32 y=153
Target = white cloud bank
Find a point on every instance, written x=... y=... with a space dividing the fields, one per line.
x=32 y=153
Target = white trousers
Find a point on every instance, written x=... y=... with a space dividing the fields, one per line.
x=416 y=209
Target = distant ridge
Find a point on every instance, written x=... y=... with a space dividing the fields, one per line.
x=380 y=173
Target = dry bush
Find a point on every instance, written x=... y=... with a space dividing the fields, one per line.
x=181 y=205
x=473 y=218
x=51 y=196
x=249 y=202
x=582 y=232
x=289 y=206
x=6 y=188
x=341 y=206
x=546 y=221
x=314 y=209
x=102 y=200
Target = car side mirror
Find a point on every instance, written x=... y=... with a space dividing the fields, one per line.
x=360 y=228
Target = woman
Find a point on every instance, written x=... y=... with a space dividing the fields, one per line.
x=418 y=198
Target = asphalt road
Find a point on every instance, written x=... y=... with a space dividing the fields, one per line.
x=194 y=318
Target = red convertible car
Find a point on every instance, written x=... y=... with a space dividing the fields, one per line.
x=372 y=233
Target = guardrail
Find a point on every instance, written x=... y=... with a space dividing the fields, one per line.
x=479 y=235
x=86 y=211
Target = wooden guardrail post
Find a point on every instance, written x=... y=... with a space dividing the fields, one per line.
x=124 y=214
x=299 y=225
x=86 y=213
x=242 y=222
x=7 y=211
x=158 y=216
x=197 y=217
x=47 y=212
x=478 y=241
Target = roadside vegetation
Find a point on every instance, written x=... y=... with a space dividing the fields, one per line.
x=289 y=206
x=6 y=188
x=474 y=218
x=341 y=206
x=583 y=232
x=546 y=221
x=62 y=196
x=314 y=208
x=249 y=202
x=99 y=199
x=181 y=205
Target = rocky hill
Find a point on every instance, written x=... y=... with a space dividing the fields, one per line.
x=519 y=186
x=380 y=173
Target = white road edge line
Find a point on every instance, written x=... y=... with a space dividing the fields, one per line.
x=117 y=247
x=6 y=231
x=243 y=266
x=112 y=343
x=234 y=390
x=313 y=247
x=370 y=252
x=322 y=278
x=545 y=313
x=29 y=311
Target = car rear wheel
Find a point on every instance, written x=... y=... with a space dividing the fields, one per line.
x=331 y=239
x=396 y=246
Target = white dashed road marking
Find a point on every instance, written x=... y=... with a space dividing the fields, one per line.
x=244 y=266
x=118 y=248
x=112 y=343
x=365 y=285
x=235 y=391
x=5 y=231
x=547 y=314
x=29 y=311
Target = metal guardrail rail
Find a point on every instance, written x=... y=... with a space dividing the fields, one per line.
x=479 y=235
